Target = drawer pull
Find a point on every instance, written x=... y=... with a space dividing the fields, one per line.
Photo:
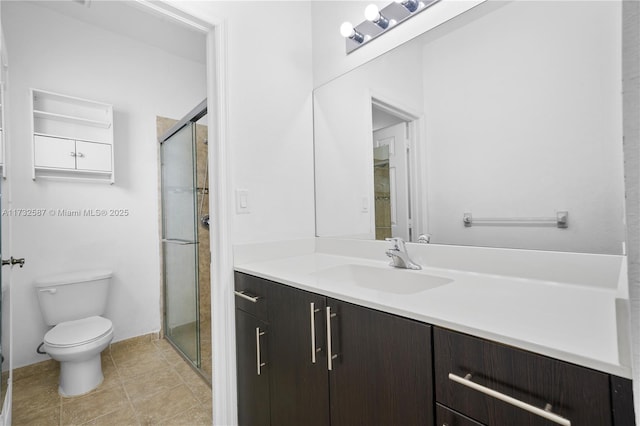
x=314 y=349
x=259 y=363
x=330 y=355
x=242 y=294
x=546 y=413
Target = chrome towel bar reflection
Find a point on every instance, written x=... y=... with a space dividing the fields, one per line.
x=561 y=220
x=545 y=413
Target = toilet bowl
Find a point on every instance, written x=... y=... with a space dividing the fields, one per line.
x=73 y=303
x=77 y=346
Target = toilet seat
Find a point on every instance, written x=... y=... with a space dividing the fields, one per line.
x=78 y=332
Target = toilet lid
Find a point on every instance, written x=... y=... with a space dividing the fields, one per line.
x=78 y=332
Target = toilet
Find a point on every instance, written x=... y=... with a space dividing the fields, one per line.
x=73 y=304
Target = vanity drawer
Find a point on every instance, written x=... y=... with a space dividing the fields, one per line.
x=447 y=417
x=251 y=295
x=575 y=393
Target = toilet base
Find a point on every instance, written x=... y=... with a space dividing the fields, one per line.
x=80 y=377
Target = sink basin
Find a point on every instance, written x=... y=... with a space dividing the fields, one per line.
x=389 y=280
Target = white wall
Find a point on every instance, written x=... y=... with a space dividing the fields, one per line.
x=52 y=52
x=270 y=132
x=523 y=123
x=631 y=91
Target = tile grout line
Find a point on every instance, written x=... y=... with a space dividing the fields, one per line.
x=198 y=403
x=124 y=389
x=162 y=356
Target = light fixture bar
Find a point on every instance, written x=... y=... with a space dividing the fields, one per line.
x=380 y=21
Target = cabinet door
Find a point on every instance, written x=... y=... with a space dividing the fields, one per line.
x=56 y=153
x=93 y=156
x=253 y=377
x=382 y=374
x=298 y=370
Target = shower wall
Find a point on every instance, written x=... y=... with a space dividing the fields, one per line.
x=204 y=254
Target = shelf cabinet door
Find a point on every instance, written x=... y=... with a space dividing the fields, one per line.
x=253 y=388
x=93 y=156
x=299 y=387
x=56 y=153
x=382 y=374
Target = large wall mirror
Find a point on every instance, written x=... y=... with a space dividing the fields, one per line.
x=511 y=112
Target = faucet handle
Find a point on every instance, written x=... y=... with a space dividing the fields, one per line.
x=424 y=238
x=398 y=243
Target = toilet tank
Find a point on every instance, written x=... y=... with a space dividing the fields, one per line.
x=73 y=295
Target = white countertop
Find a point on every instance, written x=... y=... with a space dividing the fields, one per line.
x=573 y=323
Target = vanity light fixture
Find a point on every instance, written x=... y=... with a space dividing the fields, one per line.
x=348 y=31
x=381 y=20
x=411 y=5
x=372 y=13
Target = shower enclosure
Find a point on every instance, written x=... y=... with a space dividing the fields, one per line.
x=185 y=238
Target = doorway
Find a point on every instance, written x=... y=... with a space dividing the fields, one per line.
x=186 y=256
x=392 y=137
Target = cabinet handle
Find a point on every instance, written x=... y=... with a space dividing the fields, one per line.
x=546 y=412
x=259 y=363
x=330 y=355
x=72 y=153
x=314 y=349
x=81 y=155
x=242 y=294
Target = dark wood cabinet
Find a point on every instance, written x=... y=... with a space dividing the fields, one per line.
x=577 y=394
x=382 y=372
x=253 y=380
x=306 y=359
x=298 y=371
x=622 y=402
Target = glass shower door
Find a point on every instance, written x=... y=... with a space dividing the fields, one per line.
x=180 y=242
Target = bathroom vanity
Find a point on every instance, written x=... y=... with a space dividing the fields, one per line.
x=336 y=336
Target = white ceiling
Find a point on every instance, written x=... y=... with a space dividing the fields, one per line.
x=129 y=19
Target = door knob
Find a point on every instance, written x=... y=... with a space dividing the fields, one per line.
x=13 y=261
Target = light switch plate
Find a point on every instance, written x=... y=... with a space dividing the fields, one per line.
x=365 y=204
x=242 y=201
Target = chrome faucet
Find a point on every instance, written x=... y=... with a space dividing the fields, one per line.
x=399 y=256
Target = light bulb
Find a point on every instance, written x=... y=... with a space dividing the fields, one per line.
x=347 y=30
x=372 y=13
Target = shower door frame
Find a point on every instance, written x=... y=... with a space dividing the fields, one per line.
x=188 y=120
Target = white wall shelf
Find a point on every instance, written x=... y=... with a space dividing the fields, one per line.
x=71 y=119
x=71 y=137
